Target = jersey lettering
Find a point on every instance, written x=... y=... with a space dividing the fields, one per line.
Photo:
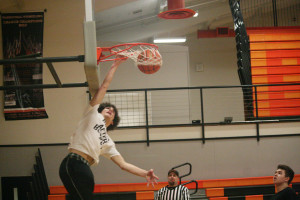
x=100 y=128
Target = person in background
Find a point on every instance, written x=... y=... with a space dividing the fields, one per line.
x=173 y=191
x=282 y=178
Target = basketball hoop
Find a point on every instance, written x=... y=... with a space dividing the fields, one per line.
x=141 y=53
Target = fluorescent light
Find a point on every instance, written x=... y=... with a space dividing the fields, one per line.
x=196 y=14
x=170 y=40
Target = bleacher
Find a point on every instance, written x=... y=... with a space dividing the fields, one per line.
x=252 y=188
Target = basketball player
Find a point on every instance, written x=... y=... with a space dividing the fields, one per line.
x=91 y=140
x=282 y=178
x=173 y=191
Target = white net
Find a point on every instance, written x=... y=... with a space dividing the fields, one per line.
x=141 y=54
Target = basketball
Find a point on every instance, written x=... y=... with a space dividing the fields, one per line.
x=149 y=56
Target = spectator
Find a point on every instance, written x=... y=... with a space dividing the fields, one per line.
x=282 y=178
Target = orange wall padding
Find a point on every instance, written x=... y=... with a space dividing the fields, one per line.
x=278 y=95
x=256 y=71
x=58 y=190
x=235 y=182
x=282 y=88
x=128 y=187
x=218 y=198
x=275 y=59
x=57 y=197
x=286 y=53
x=122 y=187
x=282 y=103
x=142 y=187
x=145 y=195
x=278 y=112
x=274 y=45
x=214 y=192
x=276 y=62
x=254 y=197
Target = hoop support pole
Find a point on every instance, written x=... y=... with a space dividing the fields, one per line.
x=54 y=74
x=92 y=71
x=89 y=10
x=44 y=86
x=79 y=58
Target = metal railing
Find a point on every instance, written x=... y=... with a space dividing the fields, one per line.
x=202 y=106
x=187 y=174
x=195 y=106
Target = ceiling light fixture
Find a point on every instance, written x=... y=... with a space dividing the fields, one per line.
x=170 y=40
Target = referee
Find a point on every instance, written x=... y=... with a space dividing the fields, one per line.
x=173 y=191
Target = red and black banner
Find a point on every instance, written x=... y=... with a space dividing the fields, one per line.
x=22 y=35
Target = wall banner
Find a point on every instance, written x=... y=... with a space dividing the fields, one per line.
x=22 y=34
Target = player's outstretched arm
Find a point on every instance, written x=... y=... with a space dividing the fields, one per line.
x=99 y=95
x=149 y=175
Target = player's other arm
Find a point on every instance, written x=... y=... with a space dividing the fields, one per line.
x=149 y=175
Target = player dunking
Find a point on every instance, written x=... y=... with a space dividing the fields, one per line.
x=91 y=140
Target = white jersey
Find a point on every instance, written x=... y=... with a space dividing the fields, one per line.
x=91 y=136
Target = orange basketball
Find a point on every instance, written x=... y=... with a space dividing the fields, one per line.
x=147 y=56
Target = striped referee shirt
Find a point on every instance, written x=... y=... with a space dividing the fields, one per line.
x=173 y=193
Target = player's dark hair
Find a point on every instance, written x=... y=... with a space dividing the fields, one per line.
x=288 y=172
x=116 y=120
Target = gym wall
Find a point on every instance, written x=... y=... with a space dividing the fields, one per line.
x=215 y=159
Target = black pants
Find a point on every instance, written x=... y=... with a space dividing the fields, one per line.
x=77 y=177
